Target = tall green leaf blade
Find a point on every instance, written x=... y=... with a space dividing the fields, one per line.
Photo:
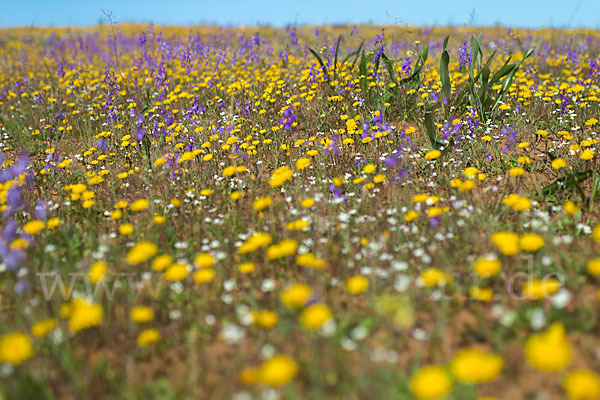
x=335 y=58
x=320 y=60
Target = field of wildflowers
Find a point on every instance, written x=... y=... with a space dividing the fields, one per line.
x=303 y=213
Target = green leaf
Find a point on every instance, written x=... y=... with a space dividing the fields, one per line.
x=357 y=54
x=430 y=126
x=389 y=66
x=566 y=182
x=337 y=50
x=444 y=74
x=507 y=82
x=320 y=60
x=502 y=72
x=445 y=44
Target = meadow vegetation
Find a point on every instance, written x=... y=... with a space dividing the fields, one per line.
x=310 y=212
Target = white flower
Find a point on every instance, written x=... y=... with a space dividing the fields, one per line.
x=538 y=319
x=561 y=298
x=232 y=333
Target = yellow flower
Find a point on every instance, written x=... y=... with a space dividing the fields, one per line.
x=593 y=266
x=265 y=319
x=296 y=295
x=570 y=208
x=250 y=375
x=19 y=243
x=369 y=169
x=98 y=270
x=506 y=242
x=420 y=198
x=255 y=242
x=148 y=337
x=246 y=267
x=126 y=229
x=84 y=315
x=311 y=261
x=538 y=289
x=43 y=328
x=357 y=284
x=229 y=171
x=433 y=154
x=139 y=205
x=411 y=216
x=176 y=273
x=278 y=370
x=518 y=203
x=434 y=277
x=531 y=242
x=587 y=154
x=470 y=172
x=308 y=202
x=15 y=348
x=434 y=212
x=467 y=185
x=159 y=219
x=161 y=262
x=558 y=163
x=261 y=203
x=549 y=351
x=486 y=267
x=141 y=314
x=476 y=366
x=379 y=178
x=236 y=195
x=297 y=225
x=204 y=260
x=280 y=176
x=88 y=203
x=140 y=252
x=314 y=316
x=481 y=294
x=516 y=171
x=582 y=384
x=204 y=275
x=53 y=223
x=596 y=233
x=286 y=247
x=33 y=227
x=431 y=382
x=302 y=163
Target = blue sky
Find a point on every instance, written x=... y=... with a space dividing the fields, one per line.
x=520 y=13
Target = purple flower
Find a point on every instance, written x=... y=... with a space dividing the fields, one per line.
x=21 y=286
x=512 y=137
x=333 y=147
x=406 y=66
x=465 y=54
x=40 y=211
x=472 y=121
x=14 y=259
x=256 y=39
x=102 y=143
x=288 y=119
x=292 y=32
